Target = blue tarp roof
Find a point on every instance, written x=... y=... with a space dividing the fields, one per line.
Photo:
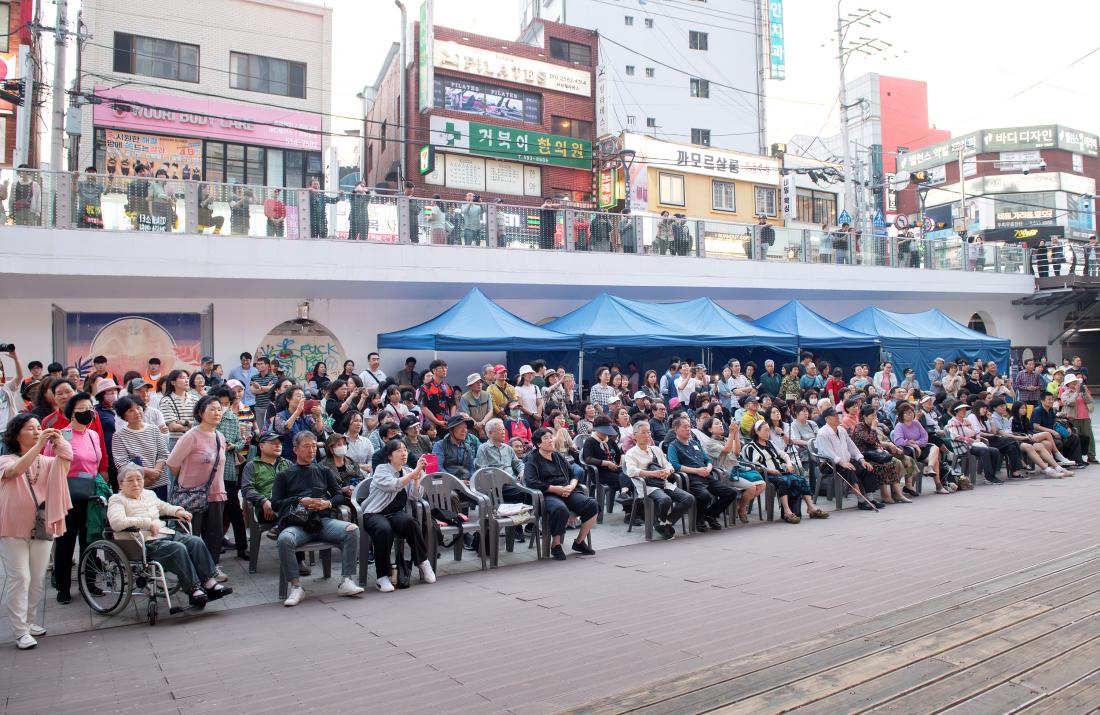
x=812 y=330
x=883 y=324
x=477 y=323
x=608 y=321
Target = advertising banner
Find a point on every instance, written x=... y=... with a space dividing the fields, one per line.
x=176 y=155
x=532 y=147
x=128 y=340
x=425 y=73
x=495 y=65
x=775 y=40
x=487 y=100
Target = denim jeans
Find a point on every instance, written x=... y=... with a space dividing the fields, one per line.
x=184 y=555
x=333 y=531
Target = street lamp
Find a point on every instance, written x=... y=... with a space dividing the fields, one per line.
x=626 y=157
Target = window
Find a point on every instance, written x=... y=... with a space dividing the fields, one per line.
x=700 y=137
x=629 y=19
x=671 y=189
x=723 y=195
x=649 y=72
x=700 y=87
x=630 y=70
x=649 y=22
x=1078 y=164
x=817 y=207
x=697 y=40
x=765 y=201
x=577 y=128
x=651 y=122
x=570 y=51
x=5 y=18
x=267 y=74
x=630 y=118
x=151 y=57
x=382 y=134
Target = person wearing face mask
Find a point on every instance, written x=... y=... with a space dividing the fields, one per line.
x=346 y=469
x=516 y=425
x=106 y=394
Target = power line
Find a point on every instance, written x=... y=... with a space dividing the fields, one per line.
x=674 y=17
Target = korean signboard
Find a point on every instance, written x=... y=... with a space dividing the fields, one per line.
x=704 y=160
x=787 y=204
x=495 y=65
x=1023 y=210
x=778 y=58
x=607 y=185
x=487 y=100
x=459 y=135
x=941 y=153
x=1019 y=138
x=425 y=73
x=173 y=154
x=1078 y=142
x=471 y=173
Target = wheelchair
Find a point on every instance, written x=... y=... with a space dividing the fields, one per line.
x=112 y=572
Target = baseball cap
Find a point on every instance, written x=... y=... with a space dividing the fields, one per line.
x=269 y=436
x=206 y=359
x=137 y=383
x=639 y=395
x=499 y=369
x=234 y=384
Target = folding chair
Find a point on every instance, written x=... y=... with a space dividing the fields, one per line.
x=489 y=482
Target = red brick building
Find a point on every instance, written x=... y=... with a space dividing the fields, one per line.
x=19 y=13
x=508 y=119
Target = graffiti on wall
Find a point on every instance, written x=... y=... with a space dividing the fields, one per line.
x=299 y=345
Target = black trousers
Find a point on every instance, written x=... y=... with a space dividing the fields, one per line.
x=1071 y=447
x=671 y=505
x=75 y=522
x=865 y=479
x=233 y=516
x=712 y=496
x=382 y=528
x=1010 y=451
x=988 y=457
x=558 y=509
x=207 y=525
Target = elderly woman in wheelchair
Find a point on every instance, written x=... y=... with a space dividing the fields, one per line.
x=135 y=514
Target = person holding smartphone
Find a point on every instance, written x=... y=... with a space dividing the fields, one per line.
x=29 y=480
x=297 y=418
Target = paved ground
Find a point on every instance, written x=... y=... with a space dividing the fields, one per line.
x=539 y=637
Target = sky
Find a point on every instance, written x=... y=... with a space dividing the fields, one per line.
x=988 y=63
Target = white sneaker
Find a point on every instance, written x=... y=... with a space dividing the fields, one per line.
x=37 y=630
x=1062 y=461
x=385 y=585
x=296 y=596
x=219 y=575
x=348 y=587
x=1052 y=473
x=26 y=642
x=427 y=575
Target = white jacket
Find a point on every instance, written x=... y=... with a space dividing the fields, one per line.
x=124 y=512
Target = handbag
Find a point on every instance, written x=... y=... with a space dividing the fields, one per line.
x=194 y=499
x=877 y=456
x=40 y=533
x=82 y=487
x=302 y=518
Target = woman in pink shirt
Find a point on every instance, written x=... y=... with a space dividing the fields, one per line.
x=197 y=459
x=26 y=558
x=87 y=449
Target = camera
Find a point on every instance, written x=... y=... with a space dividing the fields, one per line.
x=7 y=347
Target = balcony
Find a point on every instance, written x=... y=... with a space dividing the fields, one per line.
x=184 y=237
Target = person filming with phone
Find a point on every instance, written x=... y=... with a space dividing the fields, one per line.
x=300 y=415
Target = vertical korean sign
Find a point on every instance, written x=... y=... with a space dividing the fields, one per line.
x=787 y=197
x=775 y=40
x=424 y=59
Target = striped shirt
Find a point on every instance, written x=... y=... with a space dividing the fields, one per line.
x=148 y=444
x=178 y=409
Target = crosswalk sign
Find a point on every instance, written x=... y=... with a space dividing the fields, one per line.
x=844 y=217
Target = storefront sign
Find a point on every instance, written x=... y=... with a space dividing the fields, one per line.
x=700 y=160
x=425 y=74
x=601 y=106
x=775 y=39
x=1023 y=210
x=495 y=65
x=1018 y=138
x=607 y=197
x=1078 y=142
x=471 y=173
x=459 y=135
x=787 y=204
x=504 y=177
x=487 y=100
x=209 y=119
x=940 y=153
x=173 y=154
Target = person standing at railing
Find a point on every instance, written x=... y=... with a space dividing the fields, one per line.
x=473 y=220
x=359 y=214
x=26 y=199
x=318 y=216
x=162 y=207
x=841 y=242
x=240 y=211
x=1057 y=255
x=548 y=220
x=765 y=236
x=3 y=197
x=275 y=212
x=89 y=195
x=1092 y=253
x=663 y=242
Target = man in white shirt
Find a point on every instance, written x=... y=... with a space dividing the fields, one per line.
x=740 y=386
x=686 y=384
x=834 y=443
x=11 y=402
x=373 y=377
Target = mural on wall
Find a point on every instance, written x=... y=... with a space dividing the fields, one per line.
x=299 y=345
x=128 y=340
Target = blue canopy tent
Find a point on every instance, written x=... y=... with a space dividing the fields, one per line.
x=824 y=338
x=917 y=339
x=613 y=329
x=476 y=323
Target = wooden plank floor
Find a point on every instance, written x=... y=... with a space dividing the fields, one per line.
x=1026 y=642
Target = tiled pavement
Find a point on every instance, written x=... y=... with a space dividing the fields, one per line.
x=538 y=637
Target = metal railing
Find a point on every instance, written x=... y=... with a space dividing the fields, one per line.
x=171 y=205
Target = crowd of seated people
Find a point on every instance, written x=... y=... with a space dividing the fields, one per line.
x=692 y=440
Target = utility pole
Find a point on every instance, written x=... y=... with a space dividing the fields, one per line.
x=402 y=113
x=77 y=99
x=962 y=192
x=57 y=131
x=763 y=58
x=864 y=45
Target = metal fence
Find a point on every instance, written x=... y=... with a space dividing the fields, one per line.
x=169 y=205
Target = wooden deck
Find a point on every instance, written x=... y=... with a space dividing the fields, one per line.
x=1027 y=642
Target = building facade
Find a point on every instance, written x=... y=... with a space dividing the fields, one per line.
x=660 y=63
x=14 y=16
x=507 y=120
x=198 y=89
x=1023 y=183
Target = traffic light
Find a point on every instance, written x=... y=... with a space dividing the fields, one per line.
x=12 y=91
x=918 y=177
x=427 y=159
